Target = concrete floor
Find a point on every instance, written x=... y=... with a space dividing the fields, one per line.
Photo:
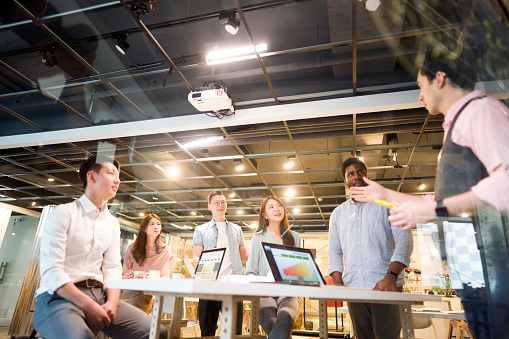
x=5 y=330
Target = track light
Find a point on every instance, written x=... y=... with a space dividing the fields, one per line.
x=48 y=57
x=230 y=21
x=122 y=44
x=372 y=5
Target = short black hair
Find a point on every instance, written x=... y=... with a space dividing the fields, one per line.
x=213 y=193
x=91 y=165
x=455 y=67
x=351 y=161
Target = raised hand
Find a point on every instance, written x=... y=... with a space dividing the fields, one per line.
x=368 y=193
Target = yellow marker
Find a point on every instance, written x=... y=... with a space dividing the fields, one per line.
x=385 y=203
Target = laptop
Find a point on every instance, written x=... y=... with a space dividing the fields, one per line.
x=209 y=264
x=293 y=265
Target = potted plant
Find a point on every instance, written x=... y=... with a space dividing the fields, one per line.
x=179 y=271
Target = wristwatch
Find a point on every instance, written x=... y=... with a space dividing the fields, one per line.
x=441 y=210
x=393 y=274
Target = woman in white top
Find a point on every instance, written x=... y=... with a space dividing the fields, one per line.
x=277 y=314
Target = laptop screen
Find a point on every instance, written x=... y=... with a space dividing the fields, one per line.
x=210 y=264
x=293 y=265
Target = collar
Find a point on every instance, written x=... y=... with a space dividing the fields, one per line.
x=352 y=202
x=213 y=223
x=453 y=110
x=89 y=206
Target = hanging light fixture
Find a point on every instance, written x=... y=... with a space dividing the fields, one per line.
x=372 y=5
x=122 y=45
x=229 y=19
x=48 y=57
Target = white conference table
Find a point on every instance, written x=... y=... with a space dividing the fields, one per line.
x=230 y=293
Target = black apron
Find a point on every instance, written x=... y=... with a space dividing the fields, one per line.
x=487 y=308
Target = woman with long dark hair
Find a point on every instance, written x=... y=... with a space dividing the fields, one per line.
x=146 y=253
x=277 y=314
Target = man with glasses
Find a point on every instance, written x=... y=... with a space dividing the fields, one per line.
x=219 y=233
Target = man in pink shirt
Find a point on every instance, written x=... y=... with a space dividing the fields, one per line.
x=472 y=179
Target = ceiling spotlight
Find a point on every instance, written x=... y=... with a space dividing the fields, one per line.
x=231 y=22
x=239 y=166
x=464 y=215
x=253 y=226
x=372 y=5
x=296 y=210
x=290 y=192
x=422 y=186
x=240 y=212
x=289 y=161
x=122 y=44
x=232 y=195
x=172 y=171
x=193 y=213
x=33 y=203
x=358 y=155
x=141 y=214
x=51 y=179
x=48 y=57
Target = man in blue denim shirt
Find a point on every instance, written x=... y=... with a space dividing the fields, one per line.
x=366 y=251
x=215 y=234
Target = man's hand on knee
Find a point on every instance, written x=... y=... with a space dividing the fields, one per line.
x=97 y=317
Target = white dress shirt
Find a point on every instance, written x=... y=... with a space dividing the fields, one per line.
x=79 y=242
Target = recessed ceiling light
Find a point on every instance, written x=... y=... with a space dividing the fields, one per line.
x=51 y=179
x=33 y=203
x=422 y=186
x=240 y=212
x=232 y=195
x=142 y=214
x=193 y=213
x=296 y=210
x=464 y=215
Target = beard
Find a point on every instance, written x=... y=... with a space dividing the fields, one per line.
x=359 y=183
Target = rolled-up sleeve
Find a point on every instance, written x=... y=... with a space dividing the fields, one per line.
x=403 y=245
x=335 y=249
x=53 y=250
x=197 y=237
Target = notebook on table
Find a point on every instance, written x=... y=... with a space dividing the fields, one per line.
x=209 y=264
x=293 y=265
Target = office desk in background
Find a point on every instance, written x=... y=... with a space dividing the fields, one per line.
x=229 y=293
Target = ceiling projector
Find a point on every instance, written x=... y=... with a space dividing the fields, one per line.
x=210 y=100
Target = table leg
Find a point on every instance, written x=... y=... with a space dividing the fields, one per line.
x=322 y=321
x=176 y=318
x=228 y=318
x=156 y=317
x=405 y=313
x=255 y=321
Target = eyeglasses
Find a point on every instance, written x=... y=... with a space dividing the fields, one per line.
x=217 y=203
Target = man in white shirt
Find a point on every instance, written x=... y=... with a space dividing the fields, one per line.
x=216 y=234
x=80 y=254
